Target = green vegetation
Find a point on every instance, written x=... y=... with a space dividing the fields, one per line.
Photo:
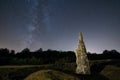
x=40 y=57
x=20 y=72
x=50 y=75
x=18 y=66
x=111 y=72
x=101 y=70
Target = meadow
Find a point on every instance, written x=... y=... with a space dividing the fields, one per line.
x=100 y=70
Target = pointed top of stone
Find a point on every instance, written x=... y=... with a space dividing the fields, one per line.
x=80 y=36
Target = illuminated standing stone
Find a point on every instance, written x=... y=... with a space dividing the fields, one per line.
x=81 y=57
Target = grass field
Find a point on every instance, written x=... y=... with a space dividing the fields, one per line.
x=111 y=72
x=101 y=70
x=20 y=72
x=50 y=75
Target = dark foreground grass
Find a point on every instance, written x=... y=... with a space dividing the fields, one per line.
x=20 y=72
x=111 y=72
x=50 y=75
x=101 y=70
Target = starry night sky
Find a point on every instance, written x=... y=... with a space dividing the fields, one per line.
x=54 y=24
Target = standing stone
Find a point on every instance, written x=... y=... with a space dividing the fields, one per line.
x=81 y=57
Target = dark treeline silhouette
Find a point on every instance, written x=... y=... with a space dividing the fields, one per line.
x=38 y=57
x=112 y=54
x=8 y=57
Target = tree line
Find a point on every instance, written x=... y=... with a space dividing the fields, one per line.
x=38 y=57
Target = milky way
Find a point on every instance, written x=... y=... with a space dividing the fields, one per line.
x=54 y=24
x=37 y=18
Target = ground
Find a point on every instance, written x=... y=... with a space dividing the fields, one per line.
x=100 y=70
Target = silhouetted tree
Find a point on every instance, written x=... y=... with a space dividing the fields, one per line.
x=26 y=50
x=39 y=50
x=12 y=53
x=4 y=52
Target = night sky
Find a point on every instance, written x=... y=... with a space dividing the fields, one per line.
x=54 y=24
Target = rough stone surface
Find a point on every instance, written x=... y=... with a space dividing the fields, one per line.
x=81 y=57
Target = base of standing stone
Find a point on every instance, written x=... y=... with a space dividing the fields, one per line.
x=80 y=70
